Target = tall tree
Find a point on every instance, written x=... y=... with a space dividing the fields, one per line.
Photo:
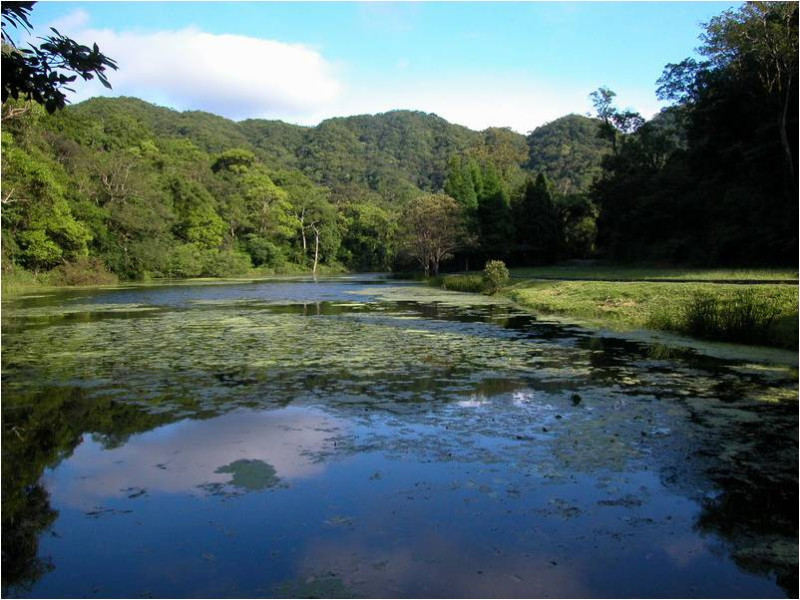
x=761 y=38
x=741 y=107
x=495 y=226
x=369 y=239
x=536 y=222
x=460 y=184
x=197 y=219
x=434 y=229
x=314 y=217
x=603 y=101
x=41 y=230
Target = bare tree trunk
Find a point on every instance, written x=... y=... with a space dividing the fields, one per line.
x=787 y=148
x=302 y=219
x=316 y=250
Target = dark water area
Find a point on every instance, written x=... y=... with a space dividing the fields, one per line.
x=363 y=437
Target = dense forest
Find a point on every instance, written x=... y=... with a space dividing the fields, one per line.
x=119 y=187
x=713 y=179
x=151 y=191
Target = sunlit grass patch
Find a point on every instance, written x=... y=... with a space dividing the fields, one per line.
x=632 y=273
x=758 y=314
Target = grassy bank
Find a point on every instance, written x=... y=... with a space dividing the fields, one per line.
x=17 y=281
x=633 y=273
x=760 y=314
x=711 y=304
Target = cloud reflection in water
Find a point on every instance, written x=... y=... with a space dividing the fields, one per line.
x=182 y=457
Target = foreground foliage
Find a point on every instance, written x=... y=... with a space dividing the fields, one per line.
x=41 y=72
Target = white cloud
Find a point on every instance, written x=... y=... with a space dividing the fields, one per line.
x=230 y=75
x=70 y=22
x=244 y=77
x=483 y=101
x=477 y=104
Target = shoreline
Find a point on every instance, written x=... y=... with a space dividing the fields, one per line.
x=663 y=308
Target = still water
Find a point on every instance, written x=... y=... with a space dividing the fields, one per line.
x=362 y=437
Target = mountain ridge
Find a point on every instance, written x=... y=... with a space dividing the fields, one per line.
x=374 y=149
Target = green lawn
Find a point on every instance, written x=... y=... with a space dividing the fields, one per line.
x=618 y=272
x=757 y=314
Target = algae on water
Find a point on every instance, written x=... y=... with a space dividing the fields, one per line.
x=556 y=425
x=251 y=475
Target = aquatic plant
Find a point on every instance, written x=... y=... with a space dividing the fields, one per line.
x=461 y=399
x=463 y=283
x=744 y=317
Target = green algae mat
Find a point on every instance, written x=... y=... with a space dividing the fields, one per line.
x=353 y=437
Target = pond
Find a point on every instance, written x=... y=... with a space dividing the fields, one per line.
x=358 y=436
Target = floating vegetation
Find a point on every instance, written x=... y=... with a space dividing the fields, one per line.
x=429 y=294
x=76 y=309
x=460 y=428
x=251 y=475
x=315 y=586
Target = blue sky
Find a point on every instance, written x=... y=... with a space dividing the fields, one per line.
x=479 y=64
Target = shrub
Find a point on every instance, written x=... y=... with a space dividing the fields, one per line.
x=185 y=260
x=16 y=279
x=150 y=257
x=495 y=276
x=701 y=316
x=82 y=271
x=227 y=263
x=263 y=252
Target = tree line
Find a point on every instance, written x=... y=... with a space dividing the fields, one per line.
x=713 y=178
x=143 y=191
x=126 y=187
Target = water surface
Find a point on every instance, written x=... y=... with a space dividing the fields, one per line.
x=358 y=437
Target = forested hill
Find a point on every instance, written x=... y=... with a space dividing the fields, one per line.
x=569 y=152
x=413 y=147
x=152 y=191
x=123 y=186
x=379 y=151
